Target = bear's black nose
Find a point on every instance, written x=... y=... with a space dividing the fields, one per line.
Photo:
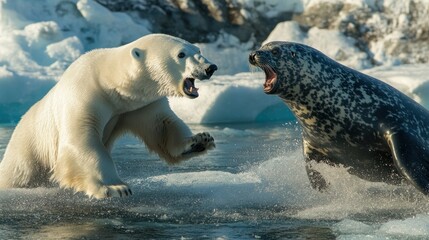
x=252 y=57
x=211 y=69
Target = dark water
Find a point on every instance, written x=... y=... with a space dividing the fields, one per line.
x=252 y=186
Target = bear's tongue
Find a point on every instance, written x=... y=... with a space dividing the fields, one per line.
x=189 y=88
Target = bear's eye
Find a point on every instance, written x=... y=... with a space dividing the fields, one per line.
x=181 y=55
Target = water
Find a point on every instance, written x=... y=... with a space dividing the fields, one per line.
x=252 y=186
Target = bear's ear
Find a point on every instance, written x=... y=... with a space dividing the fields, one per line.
x=137 y=53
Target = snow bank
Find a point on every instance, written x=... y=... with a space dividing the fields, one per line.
x=412 y=80
x=271 y=8
x=227 y=99
x=228 y=53
x=38 y=42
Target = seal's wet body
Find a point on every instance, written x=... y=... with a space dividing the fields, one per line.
x=347 y=117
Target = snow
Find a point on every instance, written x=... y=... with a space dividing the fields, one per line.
x=37 y=44
x=228 y=53
x=66 y=50
x=413 y=80
x=226 y=99
x=272 y=8
x=331 y=42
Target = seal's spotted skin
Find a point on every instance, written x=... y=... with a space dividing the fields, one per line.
x=348 y=117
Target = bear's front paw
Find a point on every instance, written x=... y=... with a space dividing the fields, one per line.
x=107 y=191
x=199 y=143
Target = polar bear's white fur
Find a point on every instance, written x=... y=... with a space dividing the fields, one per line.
x=67 y=136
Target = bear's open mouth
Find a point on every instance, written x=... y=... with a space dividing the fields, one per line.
x=270 y=78
x=189 y=88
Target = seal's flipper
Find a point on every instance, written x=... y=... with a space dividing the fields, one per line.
x=311 y=155
x=411 y=158
x=316 y=179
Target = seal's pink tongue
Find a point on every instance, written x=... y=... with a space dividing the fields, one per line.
x=271 y=78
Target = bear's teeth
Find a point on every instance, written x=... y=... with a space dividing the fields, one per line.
x=190 y=89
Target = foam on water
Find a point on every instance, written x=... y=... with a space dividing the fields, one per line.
x=282 y=181
x=416 y=227
x=279 y=185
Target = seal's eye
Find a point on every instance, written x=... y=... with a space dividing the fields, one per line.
x=181 y=55
x=293 y=54
x=275 y=51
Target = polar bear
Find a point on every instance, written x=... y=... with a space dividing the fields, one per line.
x=66 y=137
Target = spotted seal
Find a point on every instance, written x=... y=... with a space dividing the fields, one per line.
x=348 y=118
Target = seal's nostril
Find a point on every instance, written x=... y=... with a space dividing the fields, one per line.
x=252 y=57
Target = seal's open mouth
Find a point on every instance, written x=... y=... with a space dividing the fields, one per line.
x=189 y=88
x=270 y=78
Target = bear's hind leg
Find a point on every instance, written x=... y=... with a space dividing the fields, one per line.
x=91 y=171
x=25 y=173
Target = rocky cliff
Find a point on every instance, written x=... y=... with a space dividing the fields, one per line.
x=399 y=28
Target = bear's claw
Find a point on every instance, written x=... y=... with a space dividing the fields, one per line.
x=200 y=143
x=108 y=191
